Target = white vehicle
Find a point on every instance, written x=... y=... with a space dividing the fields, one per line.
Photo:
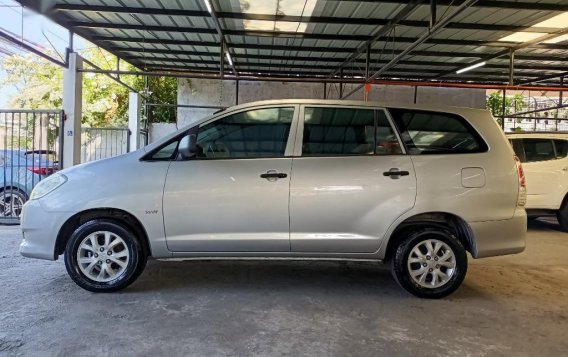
x=545 y=162
x=414 y=186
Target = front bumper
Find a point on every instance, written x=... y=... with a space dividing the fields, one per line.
x=39 y=230
x=500 y=237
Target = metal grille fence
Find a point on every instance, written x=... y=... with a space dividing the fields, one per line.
x=535 y=124
x=30 y=150
x=102 y=143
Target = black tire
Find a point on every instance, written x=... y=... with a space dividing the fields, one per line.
x=401 y=255
x=562 y=216
x=13 y=195
x=136 y=261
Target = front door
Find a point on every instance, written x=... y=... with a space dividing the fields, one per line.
x=233 y=197
x=351 y=181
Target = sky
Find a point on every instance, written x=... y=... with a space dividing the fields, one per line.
x=31 y=27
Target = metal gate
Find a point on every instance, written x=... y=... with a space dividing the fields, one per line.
x=30 y=150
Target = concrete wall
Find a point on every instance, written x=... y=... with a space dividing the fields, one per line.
x=209 y=92
x=159 y=130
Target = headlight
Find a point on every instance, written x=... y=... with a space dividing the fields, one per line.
x=47 y=185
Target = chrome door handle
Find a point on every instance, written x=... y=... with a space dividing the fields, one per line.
x=395 y=173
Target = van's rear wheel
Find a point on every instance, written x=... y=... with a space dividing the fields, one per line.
x=429 y=263
x=562 y=216
x=104 y=256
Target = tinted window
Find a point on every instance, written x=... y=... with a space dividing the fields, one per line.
x=425 y=132
x=347 y=131
x=255 y=133
x=167 y=152
x=561 y=148
x=518 y=148
x=338 y=131
x=538 y=149
x=387 y=142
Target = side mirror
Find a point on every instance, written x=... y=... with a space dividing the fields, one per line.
x=188 y=146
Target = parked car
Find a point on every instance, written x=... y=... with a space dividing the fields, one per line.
x=414 y=186
x=21 y=171
x=545 y=161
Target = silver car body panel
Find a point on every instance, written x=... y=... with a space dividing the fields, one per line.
x=333 y=207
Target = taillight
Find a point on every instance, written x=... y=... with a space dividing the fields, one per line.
x=522 y=198
x=42 y=170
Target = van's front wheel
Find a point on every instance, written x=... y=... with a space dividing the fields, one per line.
x=429 y=263
x=104 y=256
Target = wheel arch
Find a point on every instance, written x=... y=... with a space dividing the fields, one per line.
x=15 y=187
x=445 y=220
x=112 y=214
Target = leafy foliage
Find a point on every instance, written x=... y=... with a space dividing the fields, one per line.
x=513 y=104
x=39 y=85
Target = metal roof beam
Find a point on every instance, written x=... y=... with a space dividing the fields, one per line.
x=442 y=23
x=328 y=20
x=518 y=57
x=545 y=78
x=384 y=30
x=434 y=41
x=506 y=52
x=536 y=67
x=495 y=4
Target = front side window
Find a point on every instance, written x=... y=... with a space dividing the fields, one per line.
x=425 y=132
x=254 y=133
x=538 y=150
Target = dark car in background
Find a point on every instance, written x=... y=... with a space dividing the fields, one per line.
x=21 y=171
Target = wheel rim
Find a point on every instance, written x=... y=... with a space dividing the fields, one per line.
x=103 y=256
x=11 y=204
x=431 y=263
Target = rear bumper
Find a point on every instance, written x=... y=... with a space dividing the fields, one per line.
x=39 y=231
x=500 y=237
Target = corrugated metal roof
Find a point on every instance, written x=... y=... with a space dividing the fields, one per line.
x=174 y=34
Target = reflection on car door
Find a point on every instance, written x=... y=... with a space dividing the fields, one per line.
x=350 y=183
x=233 y=197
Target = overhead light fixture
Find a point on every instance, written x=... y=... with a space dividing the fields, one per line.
x=477 y=65
x=229 y=58
x=208 y=5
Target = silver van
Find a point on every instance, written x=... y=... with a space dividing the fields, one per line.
x=414 y=186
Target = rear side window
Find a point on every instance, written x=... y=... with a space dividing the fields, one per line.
x=561 y=148
x=518 y=148
x=539 y=150
x=425 y=132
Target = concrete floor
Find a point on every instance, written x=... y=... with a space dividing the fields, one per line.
x=508 y=306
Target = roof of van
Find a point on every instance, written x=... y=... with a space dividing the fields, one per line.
x=539 y=135
x=359 y=103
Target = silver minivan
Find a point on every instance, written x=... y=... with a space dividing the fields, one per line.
x=414 y=186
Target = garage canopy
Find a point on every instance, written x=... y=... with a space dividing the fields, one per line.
x=394 y=39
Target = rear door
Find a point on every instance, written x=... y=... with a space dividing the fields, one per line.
x=545 y=170
x=351 y=180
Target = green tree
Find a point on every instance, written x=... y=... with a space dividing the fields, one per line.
x=39 y=85
x=513 y=104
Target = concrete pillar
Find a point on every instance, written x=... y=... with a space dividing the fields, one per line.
x=72 y=105
x=134 y=111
